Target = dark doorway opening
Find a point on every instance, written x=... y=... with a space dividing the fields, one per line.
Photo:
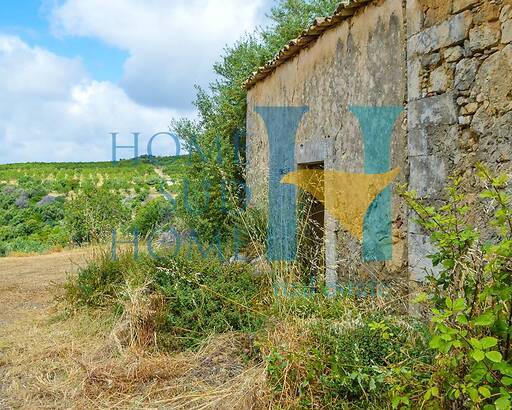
x=311 y=229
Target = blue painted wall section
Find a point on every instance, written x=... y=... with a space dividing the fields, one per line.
x=377 y=128
x=282 y=124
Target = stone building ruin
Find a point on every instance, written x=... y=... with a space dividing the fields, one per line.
x=447 y=66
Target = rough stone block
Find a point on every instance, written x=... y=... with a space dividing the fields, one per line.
x=437 y=110
x=414 y=78
x=489 y=11
x=462 y=101
x=427 y=175
x=494 y=140
x=484 y=36
x=506 y=32
x=482 y=122
x=506 y=13
x=445 y=34
x=470 y=108
x=430 y=59
x=453 y=54
x=440 y=80
x=461 y=5
x=465 y=73
x=494 y=80
x=464 y=120
x=415 y=17
x=432 y=140
x=417 y=140
x=420 y=265
x=486 y=124
x=438 y=10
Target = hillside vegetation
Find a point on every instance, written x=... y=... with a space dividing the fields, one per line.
x=314 y=351
x=41 y=204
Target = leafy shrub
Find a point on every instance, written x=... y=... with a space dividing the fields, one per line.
x=8 y=197
x=99 y=283
x=4 y=250
x=202 y=296
x=53 y=213
x=28 y=227
x=155 y=213
x=338 y=361
x=92 y=215
x=53 y=236
x=27 y=245
x=471 y=300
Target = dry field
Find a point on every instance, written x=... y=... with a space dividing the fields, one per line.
x=52 y=359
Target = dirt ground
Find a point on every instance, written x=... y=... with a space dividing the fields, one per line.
x=25 y=283
x=26 y=304
x=50 y=358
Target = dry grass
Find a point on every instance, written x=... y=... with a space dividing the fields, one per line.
x=48 y=360
x=213 y=378
x=136 y=328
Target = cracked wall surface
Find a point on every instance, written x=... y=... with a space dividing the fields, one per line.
x=360 y=62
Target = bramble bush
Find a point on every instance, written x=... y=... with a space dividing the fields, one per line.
x=201 y=295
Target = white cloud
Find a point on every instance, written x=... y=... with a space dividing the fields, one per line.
x=35 y=72
x=51 y=110
x=172 y=43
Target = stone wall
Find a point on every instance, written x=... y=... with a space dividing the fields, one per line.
x=459 y=97
x=360 y=62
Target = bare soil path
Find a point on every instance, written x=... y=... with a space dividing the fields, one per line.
x=25 y=282
x=26 y=302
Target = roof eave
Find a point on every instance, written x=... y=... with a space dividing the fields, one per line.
x=306 y=39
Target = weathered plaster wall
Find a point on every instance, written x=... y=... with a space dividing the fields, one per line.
x=460 y=97
x=360 y=62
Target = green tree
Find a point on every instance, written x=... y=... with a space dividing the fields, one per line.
x=290 y=17
x=92 y=215
x=153 y=214
x=213 y=185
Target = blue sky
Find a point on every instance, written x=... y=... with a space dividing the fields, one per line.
x=73 y=71
x=28 y=19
